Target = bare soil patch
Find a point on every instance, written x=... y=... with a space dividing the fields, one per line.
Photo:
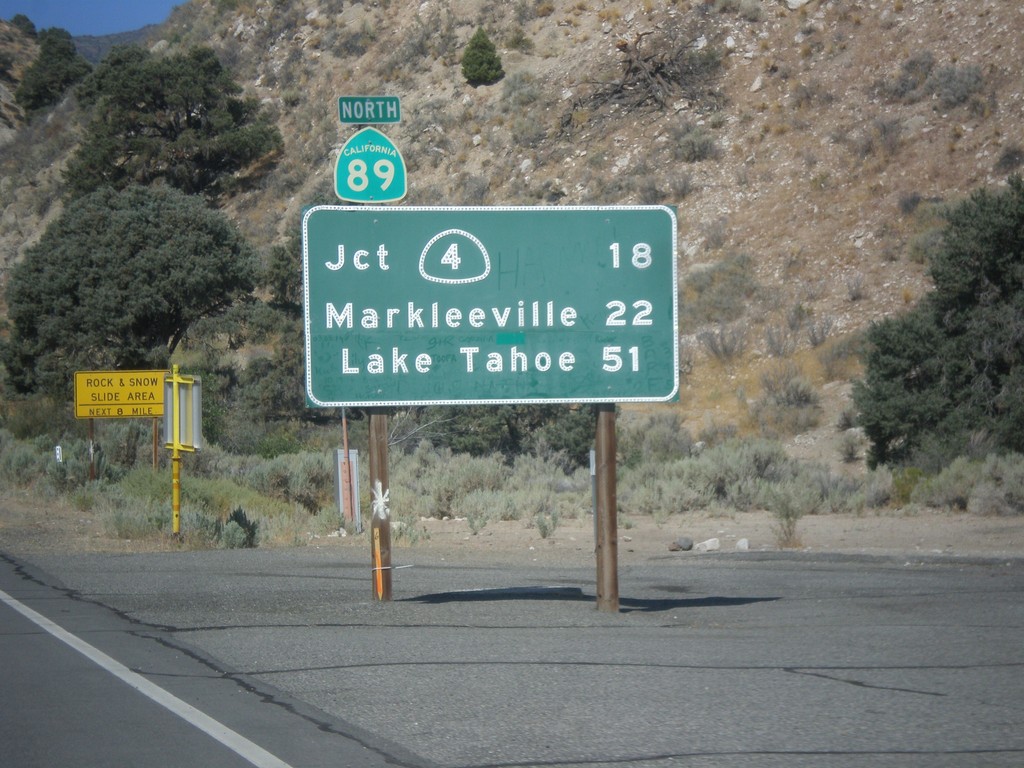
x=30 y=525
x=923 y=532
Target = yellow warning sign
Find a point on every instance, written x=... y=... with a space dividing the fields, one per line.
x=119 y=394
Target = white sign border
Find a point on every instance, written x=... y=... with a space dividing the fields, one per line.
x=490 y=209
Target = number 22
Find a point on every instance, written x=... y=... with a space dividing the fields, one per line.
x=618 y=310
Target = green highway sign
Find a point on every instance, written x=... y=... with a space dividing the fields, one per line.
x=369 y=109
x=482 y=305
x=370 y=169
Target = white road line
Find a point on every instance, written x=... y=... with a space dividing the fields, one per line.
x=234 y=741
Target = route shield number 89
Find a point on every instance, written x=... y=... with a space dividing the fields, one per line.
x=359 y=179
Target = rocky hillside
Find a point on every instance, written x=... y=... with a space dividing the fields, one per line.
x=17 y=52
x=806 y=167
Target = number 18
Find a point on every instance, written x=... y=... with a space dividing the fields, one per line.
x=641 y=255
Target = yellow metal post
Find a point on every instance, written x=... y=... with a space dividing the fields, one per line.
x=175 y=492
x=175 y=454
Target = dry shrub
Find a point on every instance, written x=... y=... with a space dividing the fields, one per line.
x=789 y=403
x=990 y=486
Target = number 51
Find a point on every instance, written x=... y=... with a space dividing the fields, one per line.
x=612 y=357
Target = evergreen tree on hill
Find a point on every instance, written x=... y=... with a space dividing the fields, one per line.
x=57 y=67
x=23 y=23
x=179 y=119
x=117 y=281
x=481 y=64
x=951 y=371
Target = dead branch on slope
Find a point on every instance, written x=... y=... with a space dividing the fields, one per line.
x=658 y=69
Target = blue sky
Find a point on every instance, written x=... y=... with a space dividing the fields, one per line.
x=90 y=17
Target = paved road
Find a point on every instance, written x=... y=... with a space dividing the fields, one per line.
x=82 y=684
x=61 y=709
x=723 y=660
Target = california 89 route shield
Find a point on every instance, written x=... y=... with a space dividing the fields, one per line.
x=419 y=305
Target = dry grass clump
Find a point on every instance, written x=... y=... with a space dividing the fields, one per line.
x=789 y=403
x=719 y=293
x=437 y=483
x=993 y=485
x=739 y=475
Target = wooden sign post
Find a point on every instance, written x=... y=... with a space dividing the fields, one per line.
x=607 y=512
x=380 y=527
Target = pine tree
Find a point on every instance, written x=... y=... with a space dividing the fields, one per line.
x=180 y=119
x=951 y=371
x=117 y=281
x=58 y=67
x=22 y=22
x=481 y=64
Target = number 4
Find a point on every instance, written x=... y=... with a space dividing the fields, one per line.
x=451 y=257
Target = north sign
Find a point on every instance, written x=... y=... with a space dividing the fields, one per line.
x=416 y=305
x=369 y=109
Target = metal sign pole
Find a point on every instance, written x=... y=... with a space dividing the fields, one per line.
x=175 y=453
x=182 y=430
x=348 y=502
x=607 y=523
x=92 y=451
